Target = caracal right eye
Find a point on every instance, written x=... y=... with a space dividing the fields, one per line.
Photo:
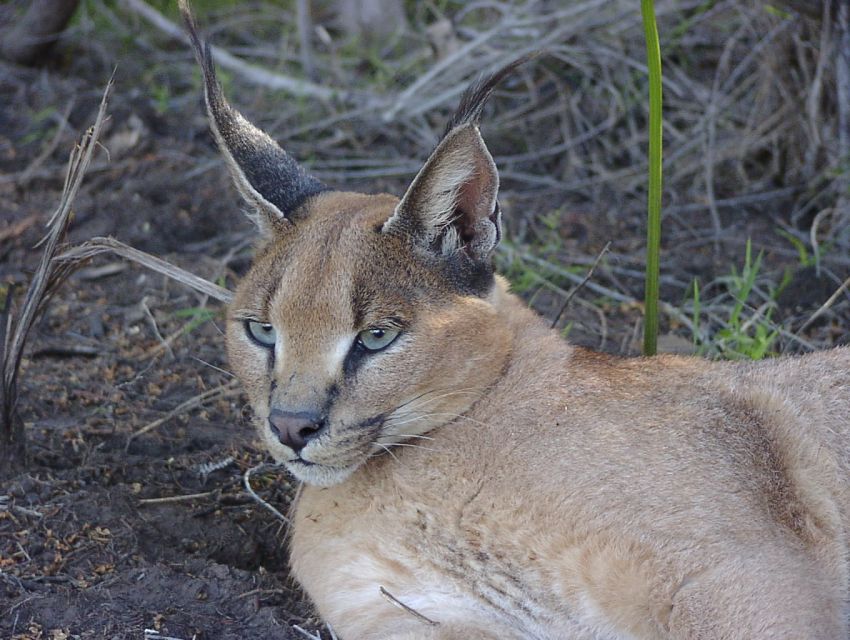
x=262 y=332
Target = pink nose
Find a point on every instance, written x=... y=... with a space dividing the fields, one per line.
x=295 y=428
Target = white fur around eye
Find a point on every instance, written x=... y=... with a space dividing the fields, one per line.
x=338 y=353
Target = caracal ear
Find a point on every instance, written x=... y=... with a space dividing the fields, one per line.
x=451 y=204
x=272 y=183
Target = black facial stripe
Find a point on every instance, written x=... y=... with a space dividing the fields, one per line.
x=355 y=356
x=332 y=394
x=272 y=389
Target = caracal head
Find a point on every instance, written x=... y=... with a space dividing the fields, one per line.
x=366 y=321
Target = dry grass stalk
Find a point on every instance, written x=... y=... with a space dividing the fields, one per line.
x=96 y=246
x=48 y=276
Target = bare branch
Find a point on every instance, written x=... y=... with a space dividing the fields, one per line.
x=96 y=246
x=247 y=72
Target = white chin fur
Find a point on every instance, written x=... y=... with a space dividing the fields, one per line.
x=319 y=476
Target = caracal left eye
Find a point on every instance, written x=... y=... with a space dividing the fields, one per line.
x=262 y=332
x=376 y=339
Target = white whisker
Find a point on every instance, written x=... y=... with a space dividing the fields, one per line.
x=454 y=416
x=445 y=393
x=414 y=435
x=387 y=449
x=408 y=444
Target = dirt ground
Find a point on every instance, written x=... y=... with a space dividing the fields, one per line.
x=113 y=534
x=90 y=544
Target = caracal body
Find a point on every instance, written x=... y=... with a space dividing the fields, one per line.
x=588 y=497
x=464 y=462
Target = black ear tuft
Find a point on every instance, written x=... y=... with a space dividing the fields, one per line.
x=451 y=206
x=268 y=178
x=475 y=97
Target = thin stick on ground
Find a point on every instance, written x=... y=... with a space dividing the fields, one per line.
x=825 y=306
x=188 y=497
x=307 y=634
x=579 y=286
x=246 y=480
x=227 y=390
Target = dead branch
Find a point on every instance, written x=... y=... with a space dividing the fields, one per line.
x=47 y=278
x=83 y=252
x=246 y=72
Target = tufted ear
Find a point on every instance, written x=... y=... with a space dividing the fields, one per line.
x=272 y=183
x=451 y=204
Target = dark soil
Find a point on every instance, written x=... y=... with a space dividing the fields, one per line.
x=82 y=554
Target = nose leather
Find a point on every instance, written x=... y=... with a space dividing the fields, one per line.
x=295 y=428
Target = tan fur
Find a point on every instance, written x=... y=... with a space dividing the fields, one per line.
x=562 y=493
x=496 y=480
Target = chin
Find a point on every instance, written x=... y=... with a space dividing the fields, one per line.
x=319 y=475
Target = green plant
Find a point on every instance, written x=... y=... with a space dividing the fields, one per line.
x=161 y=98
x=746 y=331
x=653 y=226
x=805 y=258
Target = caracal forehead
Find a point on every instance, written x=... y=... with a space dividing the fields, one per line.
x=334 y=266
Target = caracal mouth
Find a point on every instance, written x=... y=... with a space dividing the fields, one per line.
x=331 y=459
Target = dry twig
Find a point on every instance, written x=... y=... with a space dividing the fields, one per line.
x=578 y=287
x=188 y=497
x=246 y=480
x=95 y=246
x=227 y=390
x=247 y=72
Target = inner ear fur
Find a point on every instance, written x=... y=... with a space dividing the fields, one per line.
x=271 y=181
x=451 y=204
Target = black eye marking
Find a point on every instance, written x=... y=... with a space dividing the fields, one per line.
x=370 y=342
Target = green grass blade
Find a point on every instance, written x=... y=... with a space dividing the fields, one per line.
x=653 y=231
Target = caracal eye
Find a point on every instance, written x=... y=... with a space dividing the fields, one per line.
x=262 y=332
x=376 y=339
